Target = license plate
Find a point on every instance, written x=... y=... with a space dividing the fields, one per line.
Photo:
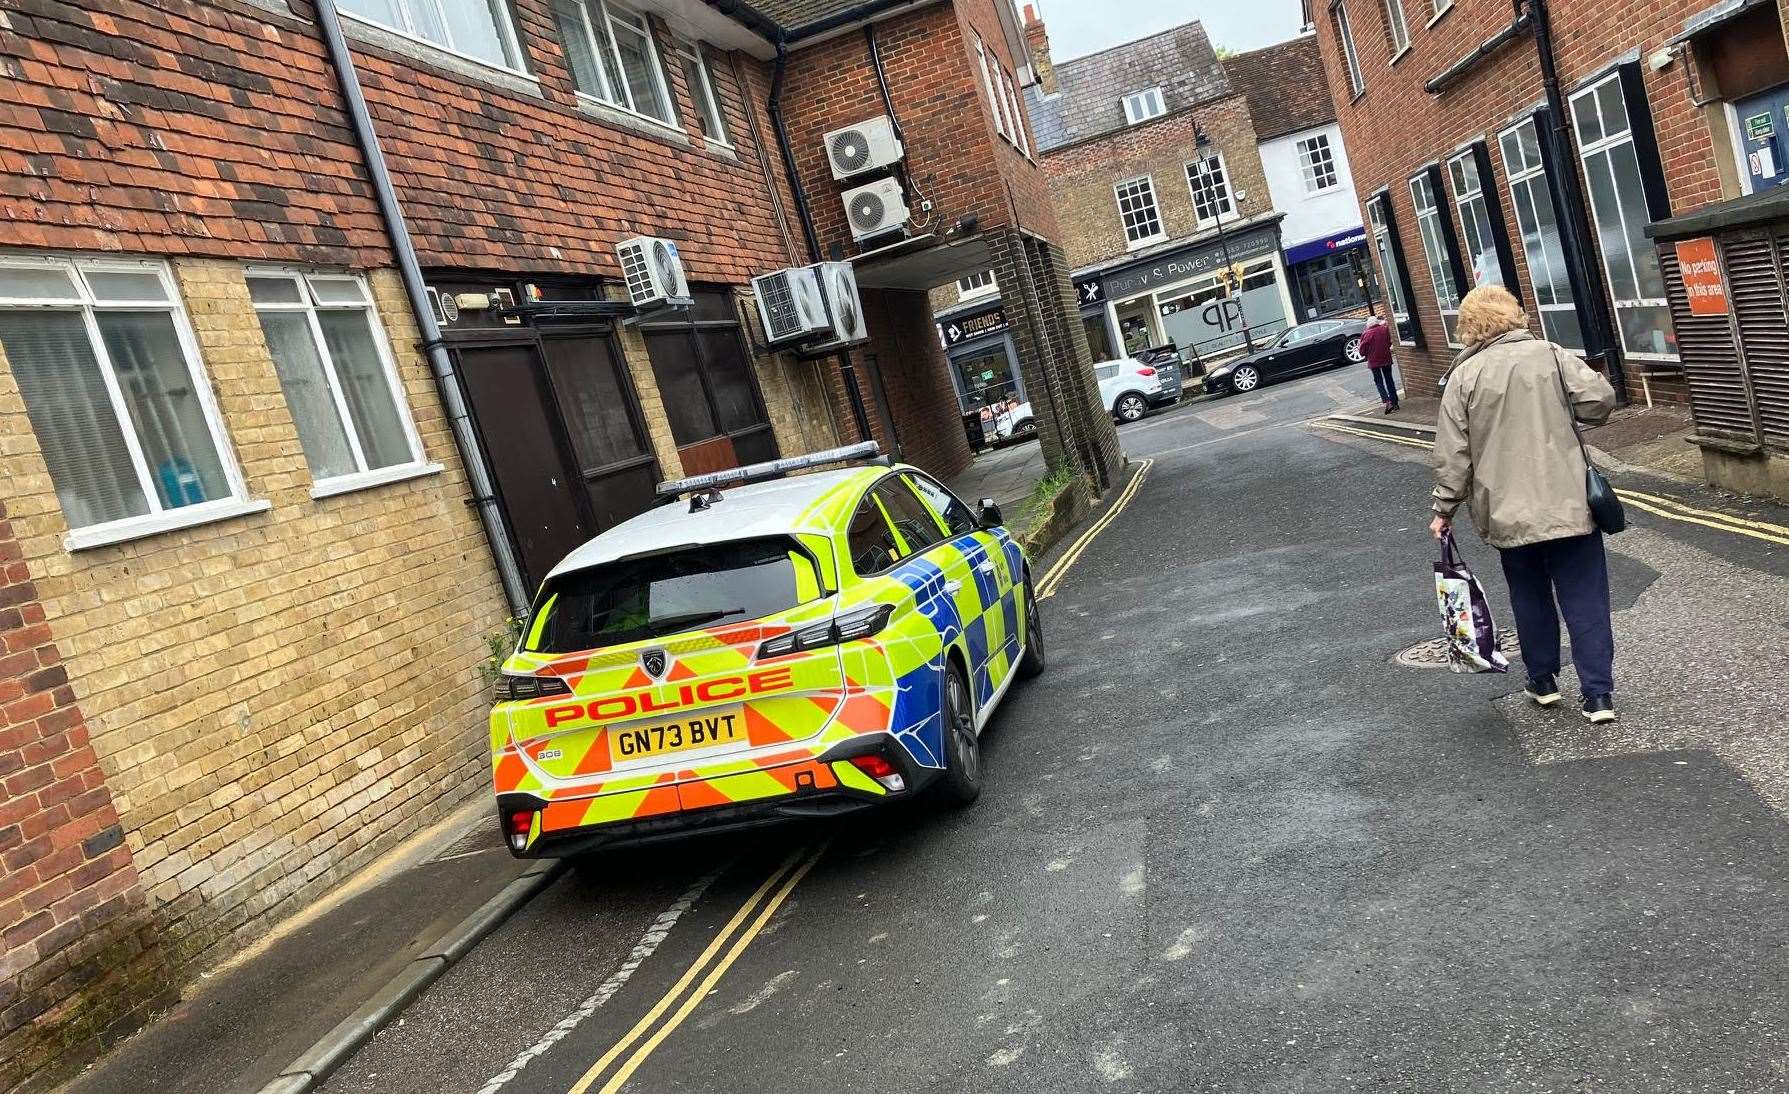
x=722 y=726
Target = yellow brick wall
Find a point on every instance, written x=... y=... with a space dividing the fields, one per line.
x=275 y=698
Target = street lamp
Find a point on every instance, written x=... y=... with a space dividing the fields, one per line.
x=1201 y=142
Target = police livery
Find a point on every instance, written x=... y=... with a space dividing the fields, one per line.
x=772 y=647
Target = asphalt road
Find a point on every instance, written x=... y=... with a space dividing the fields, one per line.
x=1225 y=845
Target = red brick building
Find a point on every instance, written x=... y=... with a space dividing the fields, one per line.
x=263 y=508
x=1534 y=146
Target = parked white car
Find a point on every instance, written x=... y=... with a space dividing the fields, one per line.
x=1128 y=386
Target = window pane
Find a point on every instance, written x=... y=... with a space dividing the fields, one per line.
x=337 y=290
x=1608 y=97
x=588 y=385
x=164 y=406
x=366 y=387
x=674 y=365
x=36 y=283
x=124 y=287
x=1512 y=152
x=274 y=290
x=871 y=540
x=379 y=11
x=1611 y=235
x=639 y=69
x=1561 y=325
x=956 y=515
x=730 y=380
x=306 y=387
x=911 y=519
x=426 y=16
x=702 y=93
x=1626 y=166
x=1645 y=328
x=66 y=401
x=476 y=29
x=1590 y=126
x=569 y=14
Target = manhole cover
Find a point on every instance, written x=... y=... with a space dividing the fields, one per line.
x=1433 y=653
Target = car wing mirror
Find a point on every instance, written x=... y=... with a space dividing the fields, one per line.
x=990 y=513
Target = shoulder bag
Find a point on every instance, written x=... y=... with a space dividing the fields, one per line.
x=1605 y=507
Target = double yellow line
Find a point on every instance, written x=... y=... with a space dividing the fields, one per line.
x=1046 y=586
x=759 y=908
x=1656 y=504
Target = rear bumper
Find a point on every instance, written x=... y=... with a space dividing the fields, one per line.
x=812 y=795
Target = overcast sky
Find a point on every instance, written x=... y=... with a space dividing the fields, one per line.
x=1079 y=27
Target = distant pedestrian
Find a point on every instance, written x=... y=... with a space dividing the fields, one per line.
x=1504 y=447
x=1375 y=346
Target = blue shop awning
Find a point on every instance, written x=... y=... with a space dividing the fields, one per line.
x=1317 y=248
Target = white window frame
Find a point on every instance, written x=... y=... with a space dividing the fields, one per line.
x=623 y=101
x=1464 y=202
x=1308 y=147
x=309 y=305
x=1143 y=106
x=1604 y=147
x=1435 y=254
x=1338 y=14
x=705 y=96
x=1398 y=26
x=987 y=83
x=1391 y=263
x=1228 y=212
x=1442 y=7
x=1018 y=116
x=506 y=28
x=977 y=285
x=1528 y=185
x=1155 y=211
x=158 y=519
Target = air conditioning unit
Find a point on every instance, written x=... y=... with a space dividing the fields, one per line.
x=844 y=308
x=876 y=209
x=865 y=146
x=790 y=304
x=653 y=271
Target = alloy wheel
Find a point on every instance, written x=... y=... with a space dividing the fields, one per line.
x=1132 y=407
x=1351 y=350
x=1246 y=378
x=962 y=723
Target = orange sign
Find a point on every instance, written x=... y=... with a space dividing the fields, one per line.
x=1702 y=280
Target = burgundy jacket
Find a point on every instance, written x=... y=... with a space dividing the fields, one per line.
x=1375 y=344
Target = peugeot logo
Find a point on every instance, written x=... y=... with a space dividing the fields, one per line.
x=653 y=661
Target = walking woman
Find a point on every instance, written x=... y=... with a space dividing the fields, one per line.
x=1504 y=447
x=1375 y=346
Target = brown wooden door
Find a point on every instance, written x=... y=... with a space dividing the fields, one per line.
x=541 y=495
x=603 y=424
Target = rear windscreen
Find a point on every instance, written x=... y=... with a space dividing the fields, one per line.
x=683 y=590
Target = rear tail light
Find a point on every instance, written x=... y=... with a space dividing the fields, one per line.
x=517 y=826
x=1145 y=371
x=510 y=688
x=846 y=628
x=877 y=767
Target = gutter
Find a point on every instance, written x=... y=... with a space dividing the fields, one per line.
x=447 y=381
x=1456 y=71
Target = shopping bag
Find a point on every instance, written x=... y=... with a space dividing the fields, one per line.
x=1465 y=614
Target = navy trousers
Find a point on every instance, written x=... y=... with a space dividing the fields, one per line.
x=1575 y=572
x=1386 y=383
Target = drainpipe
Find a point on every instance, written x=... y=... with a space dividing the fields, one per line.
x=1602 y=336
x=447 y=382
x=774 y=107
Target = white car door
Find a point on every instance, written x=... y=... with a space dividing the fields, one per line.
x=1109 y=378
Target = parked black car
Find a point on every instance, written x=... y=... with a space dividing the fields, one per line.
x=1304 y=348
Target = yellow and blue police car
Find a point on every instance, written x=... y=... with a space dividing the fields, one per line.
x=775 y=647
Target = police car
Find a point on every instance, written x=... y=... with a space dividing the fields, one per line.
x=770 y=647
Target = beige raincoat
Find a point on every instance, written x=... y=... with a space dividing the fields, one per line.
x=1503 y=443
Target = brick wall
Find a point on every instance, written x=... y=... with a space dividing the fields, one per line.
x=76 y=954
x=277 y=698
x=1395 y=127
x=914 y=373
x=1082 y=176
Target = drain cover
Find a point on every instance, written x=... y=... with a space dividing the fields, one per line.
x=1433 y=653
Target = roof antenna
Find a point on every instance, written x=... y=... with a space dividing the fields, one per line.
x=702 y=499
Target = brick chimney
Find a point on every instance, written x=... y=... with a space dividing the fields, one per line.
x=1039 y=41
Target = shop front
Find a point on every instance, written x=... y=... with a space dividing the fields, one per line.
x=1332 y=275
x=984 y=366
x=1210 y=298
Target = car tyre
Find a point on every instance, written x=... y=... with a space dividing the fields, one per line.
x=1351 y=351
x=1245 y=379
x=1034 y=661
x=1131 y=407
x=961 y=782
x=1025 y=428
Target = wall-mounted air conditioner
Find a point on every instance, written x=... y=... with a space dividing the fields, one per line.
x=844 y=308
x=863 y=147
x=653 y=271
x=876 y=209
x=790 y=304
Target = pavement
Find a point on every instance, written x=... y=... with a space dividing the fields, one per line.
x=1226 y=844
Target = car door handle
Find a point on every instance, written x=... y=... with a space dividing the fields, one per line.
x=985 y=566
x=953 y=587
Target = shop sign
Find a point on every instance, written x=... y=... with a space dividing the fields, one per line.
x=955 y=332
x=1090 y=293
x=1185 y=266
x=1317 y=248
x=1703 y=284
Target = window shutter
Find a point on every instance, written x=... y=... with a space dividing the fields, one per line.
x=1415 y=333
x=1449 y=240
x=1493 y=199
x=1646 y=144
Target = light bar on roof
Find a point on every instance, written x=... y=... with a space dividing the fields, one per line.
x=770 y=469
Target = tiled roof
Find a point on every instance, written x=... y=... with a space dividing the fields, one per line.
x=1285 y=86
x=1090 y=90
